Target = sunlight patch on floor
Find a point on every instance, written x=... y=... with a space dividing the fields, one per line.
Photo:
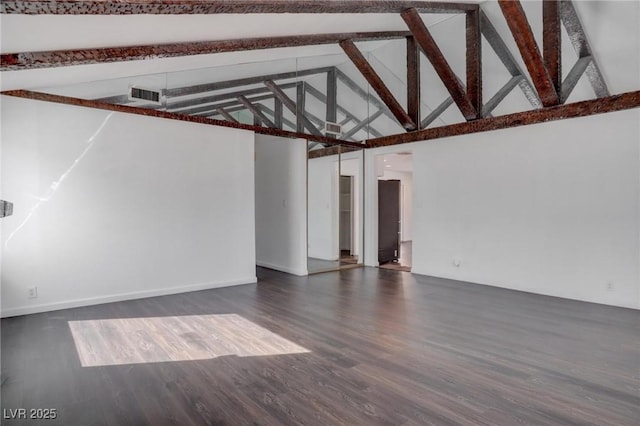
x=179 y=338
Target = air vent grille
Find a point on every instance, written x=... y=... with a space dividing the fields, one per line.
x=139 y=94
x=332 y=128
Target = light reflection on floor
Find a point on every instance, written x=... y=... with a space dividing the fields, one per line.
x=179 y=338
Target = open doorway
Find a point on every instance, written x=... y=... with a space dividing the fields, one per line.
x=395 y=210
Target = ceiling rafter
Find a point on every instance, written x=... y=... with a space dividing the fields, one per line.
x=578 y=38
x=291 y=106
x=348 y=114
x=504 y=54
x=257 y=114
x=574 y=76
x=413 y=81
x=474 y=61
x=62 y=58
x=199 y=7
x=437 y=112
x=377 y=84
x=87 y=103
x=552 y=42
x=523 y=36
x=434 y=54
x=223 y=112
x=613 y=103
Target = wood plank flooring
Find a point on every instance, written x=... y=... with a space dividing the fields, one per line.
x=386 y=348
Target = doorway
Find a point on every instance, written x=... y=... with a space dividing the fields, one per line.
x=395 y=210
x=346 y=231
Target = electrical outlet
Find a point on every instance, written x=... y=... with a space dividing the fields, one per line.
x=32 y=292
x=610 y=286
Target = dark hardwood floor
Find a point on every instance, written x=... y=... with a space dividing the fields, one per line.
x=386 y=348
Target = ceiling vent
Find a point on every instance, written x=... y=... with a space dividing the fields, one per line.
x=332 y=128
x=147 y=95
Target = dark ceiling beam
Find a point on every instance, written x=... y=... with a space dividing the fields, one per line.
x=257 y=114
x=174 y=106
x=363 y=94
x=413 y=80
x=291 y=106
x=474 y=61
x=500 y=95
x=526 y=42
x=348 y=115
x=377 y=84
x=573 y=77
x=362 y=124
x=199 y=7
x=230 y=84
x=434 y=54
x=552 y=41
x=86 y=103
x=210 y=109
x=502 y=51
x=332 y=96
x=579 y=41
x=436 y=112
x=223 y=112
x=278 y=114
x=613 y=103
x=63 y=58
x=274 y=114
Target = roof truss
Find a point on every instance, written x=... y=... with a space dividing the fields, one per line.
x=224 y=98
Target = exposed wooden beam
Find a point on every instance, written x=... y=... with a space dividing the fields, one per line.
x=526 y=42
x=301 y=101
x=291 y=106
x=257 y=114
x=552 y=41
x=613 y=103
x=199 y=7
x=363 y=94
x=332 y=96
x=62 y=58
x=573 y=77
x=332 y=150
x=432 y=51
x=348 y=115
x=437 y=112
x=474 y=61
x=413 y=80
x=377 y=84
x=500 y=95
x=87 y=103
x=579 y=41
x=362 y=124
x=500 y=48
x=211 y=108
x=274 y=114
x=223 y=112
x=278 y=113
x=228 y=84
x=175 y=106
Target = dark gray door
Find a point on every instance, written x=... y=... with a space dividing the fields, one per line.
x=388 y=220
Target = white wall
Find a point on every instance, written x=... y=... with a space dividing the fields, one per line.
x=323 y=207
x=111 y=206
x=552 y=208
x=281 y=204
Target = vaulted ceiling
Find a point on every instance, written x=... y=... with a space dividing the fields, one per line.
x=364 y=76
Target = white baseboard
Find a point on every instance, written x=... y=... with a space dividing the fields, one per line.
x=56 y=306
x=293 y=271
